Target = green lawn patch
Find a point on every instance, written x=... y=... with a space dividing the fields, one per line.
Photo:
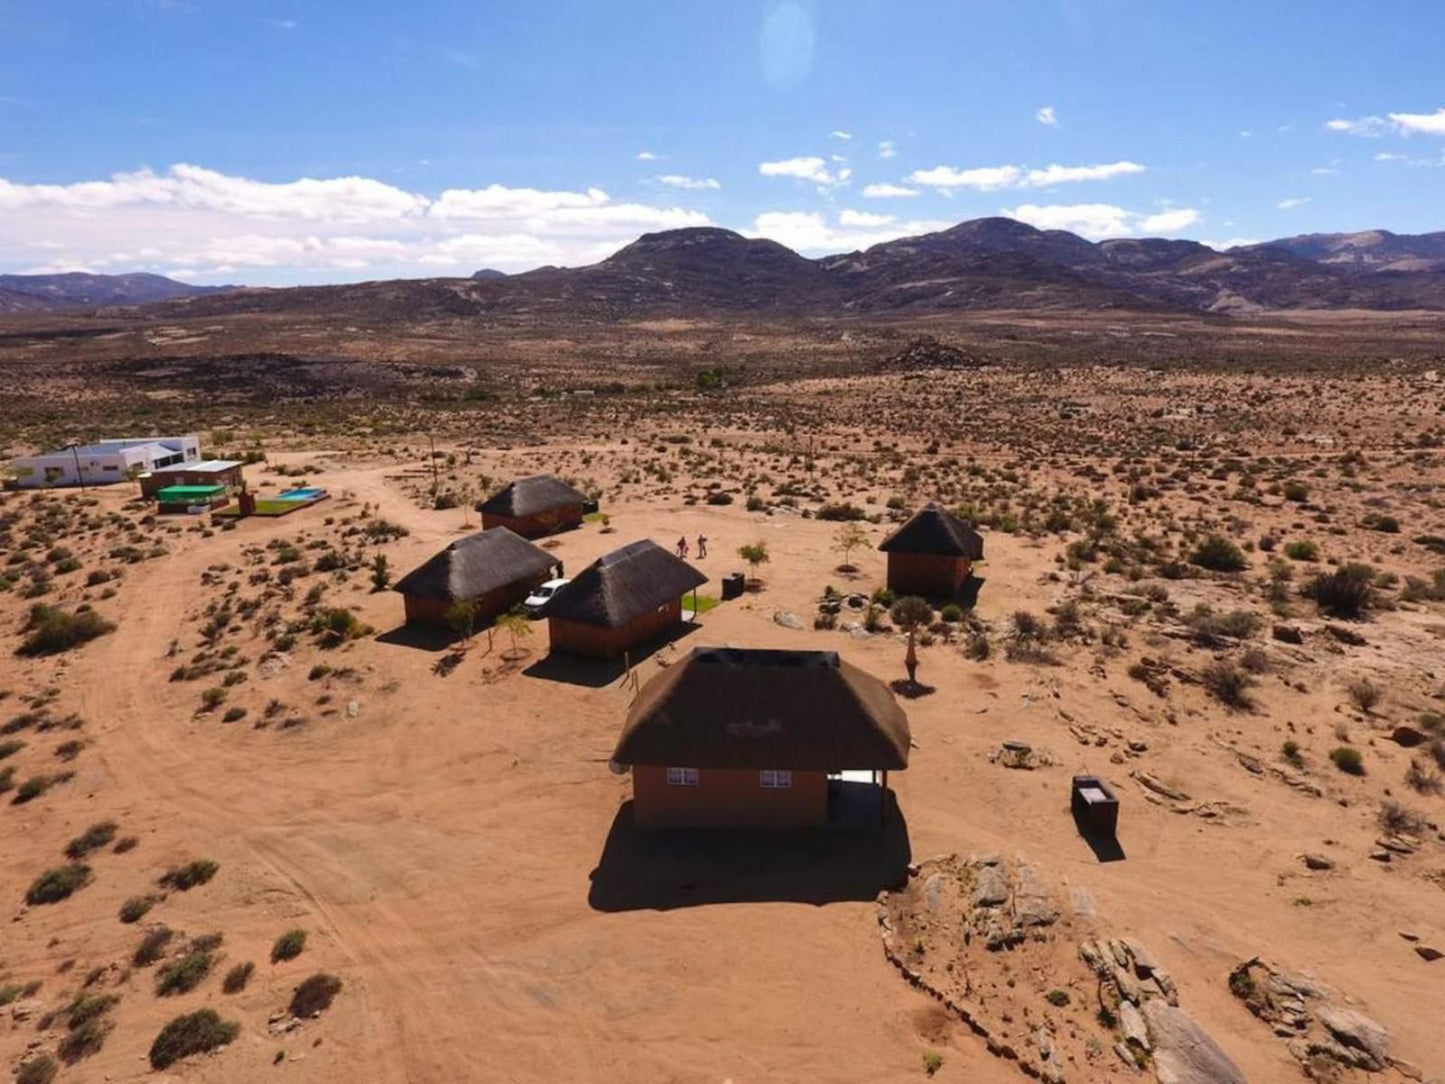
x=704 y=604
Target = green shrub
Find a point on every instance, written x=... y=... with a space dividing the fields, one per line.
x=1302 y=551
x=1218 y=554
x=951 y=612
x=1348 y=760
x=184 y=878
x=57 y=884
x=152 y=946
x=841 y=512
x=193 y=1033
x=1291 y=752
x=1057 y=998
x=10 y=747
x=1297 y=492
x=184 y=974
x=237 y=978
x=31 y=789
x=93 y=838
x=314 y=995
x=39 y=1069
x=51 y=630
x=1228 y=684
x=1348 y=592
x=288 y=946
x=932 y=1062
x=135 y=909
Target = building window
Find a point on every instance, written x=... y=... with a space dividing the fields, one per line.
x=111 y=467
x=682 y=777
x=775 y=778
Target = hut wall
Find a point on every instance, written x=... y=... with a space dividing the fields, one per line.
x=727 y=798
x=433 y=611
x=600 y=643
x=535 y=526
x=149 y=487
x=927 y=575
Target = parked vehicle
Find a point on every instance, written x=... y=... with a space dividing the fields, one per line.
x=536 y=603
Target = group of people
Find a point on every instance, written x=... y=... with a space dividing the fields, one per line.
x=701 y=546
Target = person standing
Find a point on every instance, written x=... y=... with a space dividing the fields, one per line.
x=701 y=546
x=682 y=546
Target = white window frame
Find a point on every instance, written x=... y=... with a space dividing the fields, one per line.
x=775 y=778
x=682 y=777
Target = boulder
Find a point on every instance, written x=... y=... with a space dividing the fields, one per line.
x=788 y=620
x=991 y=887
x=1131 y=1024
x=1406 y=736
x=1356 y=1031
x=1183 y=1052
x=1317 y=861
x=1288 y=634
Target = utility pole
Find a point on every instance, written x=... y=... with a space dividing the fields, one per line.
x=431 y=441
x=79 y=476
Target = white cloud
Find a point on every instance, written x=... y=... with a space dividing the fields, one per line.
x=1292 y=201
x=838 y=133
x=680 y=180
x=809 y=231
x=1100 y=220
x=1170 y=221
x=888 y=191
x=992 y=178
x=805 y=168
x=1429 y=123
x=1324 y=171
x=646 y=156
x=1091 y=220
x=866 y=219
x=886 y=149
x=1047 y=116
x=1365 y=127
x=1389 y=156
x=224 y=227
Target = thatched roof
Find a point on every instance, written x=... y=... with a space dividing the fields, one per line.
x=935 y=532
x=625 y=584
x=728 y=707
x=475 y=565
x=530 y=497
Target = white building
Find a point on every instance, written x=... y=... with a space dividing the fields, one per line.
x=104 y=462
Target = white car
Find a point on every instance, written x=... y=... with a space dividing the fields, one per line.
x=537 y=601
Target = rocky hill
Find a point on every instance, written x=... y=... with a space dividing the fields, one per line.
x=988 y=263
x=81 y=290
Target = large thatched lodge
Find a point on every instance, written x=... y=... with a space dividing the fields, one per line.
x=621 y=600
x=753 y=738
x=931 y=555
x=534 y=506
x=494 y=570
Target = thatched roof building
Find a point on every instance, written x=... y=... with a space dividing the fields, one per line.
x=533 y=506
x=621 y=599
x=936 y=532
x=726 y=707
x=495 y=568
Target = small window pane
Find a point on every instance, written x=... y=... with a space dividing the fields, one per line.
x=682 y=777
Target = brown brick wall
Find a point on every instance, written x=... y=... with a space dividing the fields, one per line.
x=725 y=798
x=931 y=577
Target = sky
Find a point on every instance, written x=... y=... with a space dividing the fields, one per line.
x=272 y=142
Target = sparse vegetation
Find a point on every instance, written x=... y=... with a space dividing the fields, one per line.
x=57 y=884
x=314 y=995
x=193 y=1033
x=288 y=946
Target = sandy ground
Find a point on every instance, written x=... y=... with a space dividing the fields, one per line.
x=440 y=843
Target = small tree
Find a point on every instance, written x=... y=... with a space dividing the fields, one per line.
x=754 y=554
x=514 y=622
x=380 y=573
x=133 y=473
x=911 y=613
x=462 y=617
x=850 y=537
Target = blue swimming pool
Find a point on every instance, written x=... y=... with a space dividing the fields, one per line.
x=301 y=495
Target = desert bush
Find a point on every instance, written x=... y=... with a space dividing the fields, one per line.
x=1218 y=554
x=93 y=838
x=152 y=946
x=193 y=1033
x=1421 y=778
x=1347 y=592
x=184 y=878
x=38 y=1069
x=1348 y=760
x=1395 y=818
x=1296 y=491
x=135 y=909
x=841 y=512
x=1364 y=694
x=57 y=884
x=1228 y=684
x=932 y=1062
x=10 y=747
x=288 y=946
x=237 y=978
x=31 y=789
x=1302 y=551
x=1209 y=626
x=1290 y=750
x=314 y=995
x=184 y=974
x=978 y=647
x=951 y=612
x=51 y=630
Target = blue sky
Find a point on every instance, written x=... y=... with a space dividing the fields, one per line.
x=313 y=141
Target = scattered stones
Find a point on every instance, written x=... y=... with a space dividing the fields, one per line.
x=1317 y=861
x=1288 y=634
x=1021 y=755
x=1157 y=787
x=1307 y=1015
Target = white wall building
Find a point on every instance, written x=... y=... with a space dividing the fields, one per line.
x=104 y=462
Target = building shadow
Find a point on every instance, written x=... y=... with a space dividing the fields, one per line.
x=570 y=669
x=968 y=592
x=1106 y=848
x=667 y=870
x=420 y=636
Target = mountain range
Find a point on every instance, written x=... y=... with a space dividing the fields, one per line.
x=986 y=263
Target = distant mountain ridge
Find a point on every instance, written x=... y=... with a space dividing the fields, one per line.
x=80 y=290
x=986 y=263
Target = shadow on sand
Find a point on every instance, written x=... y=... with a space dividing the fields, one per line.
x=1106 y=848
x=662 y=871
x=595 y=673
x=420 y=636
